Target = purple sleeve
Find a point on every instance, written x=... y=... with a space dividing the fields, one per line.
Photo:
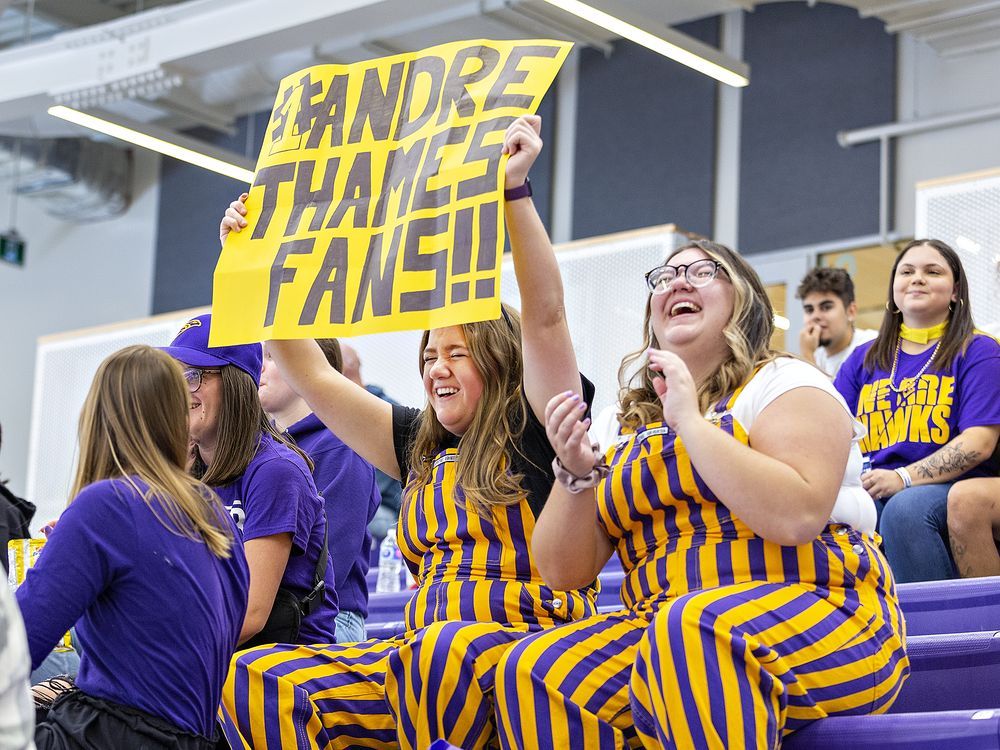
x=85 y=552
x=280 y=499
x=848 y=380
x=978 y=384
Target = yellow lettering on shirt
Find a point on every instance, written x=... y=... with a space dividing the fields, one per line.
x=920 y=417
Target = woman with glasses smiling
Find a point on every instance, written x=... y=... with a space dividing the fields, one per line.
x=265 y=484
x=755 y=597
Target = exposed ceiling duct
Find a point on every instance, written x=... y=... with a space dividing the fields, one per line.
x=76 y=179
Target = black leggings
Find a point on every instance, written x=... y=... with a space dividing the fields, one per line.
x=78 y=721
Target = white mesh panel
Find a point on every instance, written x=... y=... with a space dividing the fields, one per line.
x=64 y=369
x=966 y=215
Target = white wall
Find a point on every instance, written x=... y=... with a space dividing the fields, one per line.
x=929 y=85
x=74 y=276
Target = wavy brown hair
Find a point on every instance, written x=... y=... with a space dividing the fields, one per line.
x=485 y=450
x=241 y=421
x=134 y=423
x=960 y=328
x=748 y=335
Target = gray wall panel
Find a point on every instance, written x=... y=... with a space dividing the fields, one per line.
x=645 y=144
x=814 y=71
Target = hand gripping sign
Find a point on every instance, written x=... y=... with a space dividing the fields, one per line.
x=377 y=202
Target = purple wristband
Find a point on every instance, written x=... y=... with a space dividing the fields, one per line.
x=521 y=191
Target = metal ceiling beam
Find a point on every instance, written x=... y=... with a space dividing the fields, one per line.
x=194 y=37
x=947 y=15
x=77 y=12
x=960 y=30
x=959 y=50
x=894 y=6
x=529 y=20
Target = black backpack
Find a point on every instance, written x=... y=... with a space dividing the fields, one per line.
x=15 y=516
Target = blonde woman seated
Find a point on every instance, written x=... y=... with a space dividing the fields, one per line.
x=144 y=561
x=756 y=599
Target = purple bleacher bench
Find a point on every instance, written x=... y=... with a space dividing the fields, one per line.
x=942 y=730
x=960 y=606
x=951 y=672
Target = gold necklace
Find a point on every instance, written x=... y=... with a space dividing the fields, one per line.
x=904 y=392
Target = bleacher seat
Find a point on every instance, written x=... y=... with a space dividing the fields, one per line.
x=943 y=730
x=961 y=606
x=951 y=672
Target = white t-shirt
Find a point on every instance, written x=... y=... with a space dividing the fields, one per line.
x=17 y=715
x=854 y=505
x=830 y=363
x=604 y=429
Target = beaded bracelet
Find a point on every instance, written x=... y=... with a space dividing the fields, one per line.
x=575 y=484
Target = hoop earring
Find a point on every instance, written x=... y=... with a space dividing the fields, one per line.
x=890 y=310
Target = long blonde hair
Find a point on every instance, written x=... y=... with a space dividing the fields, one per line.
x=485 y=450
x=748 y=335
x=134 y=423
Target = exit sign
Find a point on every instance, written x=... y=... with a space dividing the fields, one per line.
x=12 y=248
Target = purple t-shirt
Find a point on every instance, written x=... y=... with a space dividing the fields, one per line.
x=157 y=615
x=943 y=404
x=347 y=484
x=276 y=495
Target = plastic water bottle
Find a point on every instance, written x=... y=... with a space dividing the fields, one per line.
x=390 y=564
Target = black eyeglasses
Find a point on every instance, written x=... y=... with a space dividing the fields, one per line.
x=698 y=274
x=194 y=376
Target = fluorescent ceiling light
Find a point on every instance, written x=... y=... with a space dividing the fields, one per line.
x=666 y=41
x=162 y=141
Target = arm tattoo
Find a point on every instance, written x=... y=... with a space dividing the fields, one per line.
x=951 y=458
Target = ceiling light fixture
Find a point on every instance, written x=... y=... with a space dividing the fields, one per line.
x=162 y=141
x=665 y=41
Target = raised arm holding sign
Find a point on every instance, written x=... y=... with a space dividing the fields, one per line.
x=477 y=469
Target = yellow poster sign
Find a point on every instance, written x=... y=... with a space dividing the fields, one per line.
x=377 y=200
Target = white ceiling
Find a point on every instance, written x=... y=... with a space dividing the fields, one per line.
x=204 y=62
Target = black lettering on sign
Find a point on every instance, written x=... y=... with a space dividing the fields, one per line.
x=486 y=183
x=280 y=118
x=425 y=66
x=270 y=178
x=281 y=275
x=486 y=252
x=377 y=277
x=357 y=193
x=330 y=115
x=332 y=280
x=305 y=197
x=303 y=109
x=376 y=105
x=456 y=85
x=461 y=254
x=511 y=75
x=414 y=260
x=400 y=172
x=424 y=198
